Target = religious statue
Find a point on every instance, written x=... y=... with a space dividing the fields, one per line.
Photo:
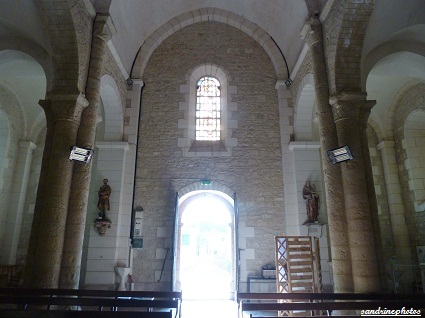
x=312 y=202
x=103 y=203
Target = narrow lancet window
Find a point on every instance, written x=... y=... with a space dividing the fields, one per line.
x=207 y=109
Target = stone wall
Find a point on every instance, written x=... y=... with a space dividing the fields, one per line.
x=253 y=170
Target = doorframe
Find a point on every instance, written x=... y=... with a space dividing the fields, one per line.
x=230 y=196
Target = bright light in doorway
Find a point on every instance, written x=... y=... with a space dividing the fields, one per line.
x=206 y=210
x=206 y=259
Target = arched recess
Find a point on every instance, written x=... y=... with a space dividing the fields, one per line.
x=409 y=106
x=111 y=127
x=12 y=117
x=407 y=40
x=22 y=85
x=303 y=113
x=414 y=140
x=209 y=208
x=39 y=54
x=217 y=15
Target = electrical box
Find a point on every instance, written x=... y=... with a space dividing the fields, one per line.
x=138 y=224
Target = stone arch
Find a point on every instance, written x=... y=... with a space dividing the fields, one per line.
x=70 y=46
x=199 y=186
x=303 y=113
x=373 y=124
x=407 y=40
x=217 y=15
x=405 y=102
x=32 y=49
x=113 y=120
x=349 y=45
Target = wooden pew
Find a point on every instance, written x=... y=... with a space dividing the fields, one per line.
x=321 y=304
x=19 y=313
x=40 y=301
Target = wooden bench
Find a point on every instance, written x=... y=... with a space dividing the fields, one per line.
x=25 y=302
x=324 y=304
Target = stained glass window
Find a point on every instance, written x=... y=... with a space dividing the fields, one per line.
x=207 y=109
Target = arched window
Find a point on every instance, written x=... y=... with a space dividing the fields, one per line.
x=208 y=113
x=208 y=108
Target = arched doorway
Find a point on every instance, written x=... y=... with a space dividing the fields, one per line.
x=205 y=267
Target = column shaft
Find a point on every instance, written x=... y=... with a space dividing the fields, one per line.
x=341 y=262
x=370 y=185
x=347 y=110
x=76 y=220
x=66 y=112
x=15 y=210
x=41 y=190
x=397 y=213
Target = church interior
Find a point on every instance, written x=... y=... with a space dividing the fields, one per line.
x=166 y=145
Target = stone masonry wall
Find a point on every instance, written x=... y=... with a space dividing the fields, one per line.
x=254 y=169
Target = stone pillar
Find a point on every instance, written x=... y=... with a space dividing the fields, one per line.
x=38 y=208
x=71 y=262
x=15 y=210
x=370 y=184
x=348 y=109
x=337 y=221
x=286 y=121
x=397 y=213
x=66 y=113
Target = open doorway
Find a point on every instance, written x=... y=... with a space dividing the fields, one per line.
x=206 y=246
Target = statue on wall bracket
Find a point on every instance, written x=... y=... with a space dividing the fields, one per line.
x=103 y=222
x=312 y=203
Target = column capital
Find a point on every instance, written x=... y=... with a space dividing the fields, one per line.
x=64 y=107
x=386 y=144
x=103 y=27
x=311 y=32
x=351 y=106
x=26 y=144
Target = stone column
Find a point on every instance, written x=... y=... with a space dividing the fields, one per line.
x=15 y=211
x=41 y=190
x=71 y=262
x=341 y=258
x=66 y=113
x=348 y=109
x=397 y=213
x=286 y=123
x=370 y=184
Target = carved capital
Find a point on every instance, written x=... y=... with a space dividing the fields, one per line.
x=351 y=106
x=103 y=27
x=64 y=107
x=311 y=32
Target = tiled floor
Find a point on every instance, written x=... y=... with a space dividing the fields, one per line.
x=209 y=309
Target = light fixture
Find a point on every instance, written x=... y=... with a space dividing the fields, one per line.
x=288 y=82
x=81 y=154
x=129 y=81
x=340 y=154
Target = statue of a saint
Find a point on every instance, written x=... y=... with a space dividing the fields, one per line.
x=312 y=202
x=103 y=203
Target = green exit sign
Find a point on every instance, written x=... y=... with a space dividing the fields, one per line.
x=206 y=182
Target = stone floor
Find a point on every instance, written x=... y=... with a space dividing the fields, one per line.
x=209 y=309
